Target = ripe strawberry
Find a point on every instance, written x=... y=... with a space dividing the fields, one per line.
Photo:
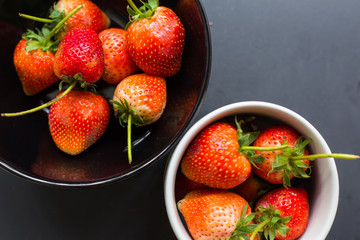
x=80 y=54
x=280 y=171
x=214 y=214
x=79 y=59
x=34 y=57
x=156 y=38
x=213 y=158
x=117 y=60
x=78 y=120
x=284 y=213
x=252 y=188
x=282 y=154
x=90 y=16
x=139 y=99
x=34 y=68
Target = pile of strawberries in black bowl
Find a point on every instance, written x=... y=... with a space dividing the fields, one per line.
x=95 y=91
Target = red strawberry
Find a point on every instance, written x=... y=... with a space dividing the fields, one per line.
x=34 y=57
x=214 y=214
x=34 y=68
x=90 y=16
x=78 y=120
x=80 y=52
x=283 y=154
x=79 y=58
x=118 y=63
x=252 y=188
x=213 y=158
x=156 y=39
x=285 y=213
x=275 y=136
x=139 y=99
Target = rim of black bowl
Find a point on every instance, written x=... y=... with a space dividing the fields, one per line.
x=154 y=158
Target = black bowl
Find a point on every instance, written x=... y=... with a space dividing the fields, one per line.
x=26 y=146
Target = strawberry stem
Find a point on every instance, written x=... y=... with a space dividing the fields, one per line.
x=134 y=7
x=38 y=19
x=258 y=228
x=55 y=29
x=254 y=148
x=41 y=106
x=129 y=138
x=323 y=155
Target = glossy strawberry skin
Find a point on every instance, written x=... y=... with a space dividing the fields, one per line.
x=269 y=137
x=34 y=68
x=78 y=120
x=156 y=44
x=145 y=94
x=117 y=61
x=213 y=159
x=80 y=52
x=212 y=213
x=289 y=201
x=90 y=16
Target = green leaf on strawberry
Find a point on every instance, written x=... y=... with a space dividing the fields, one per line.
x=245 y=140
x=271 y=223
x=284 y=162
x=44 y=39
x=125 y=113
x=147 y=10
x=244 y=227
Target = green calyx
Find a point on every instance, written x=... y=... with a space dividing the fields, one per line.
x=45 y=39
x=147 y=10
x=123 y=110
x=245 y=139
x=270 y=222
x=127 y=117
x=77 y=78
x=244 y=227
x=285 y=162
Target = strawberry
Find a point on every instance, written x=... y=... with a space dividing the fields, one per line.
x=80 y=54
x=252 y=188
x=117 y=60
x=213 y=158
x=78 y=120
x=156 y=38
x=277 y=136
x=283 y=213
x=215 y=214
x=78 y=59
x=292 y=158
x=140 y=100
x=90 y=16
x=34 y=57
x=34 y=68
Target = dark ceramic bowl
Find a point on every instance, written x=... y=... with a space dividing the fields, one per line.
x=26 y=147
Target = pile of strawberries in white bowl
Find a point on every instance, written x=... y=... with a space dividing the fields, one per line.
x=252 y=170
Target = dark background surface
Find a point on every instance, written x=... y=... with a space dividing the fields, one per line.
x=304 y=55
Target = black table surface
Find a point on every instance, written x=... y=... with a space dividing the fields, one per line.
x=304 y=55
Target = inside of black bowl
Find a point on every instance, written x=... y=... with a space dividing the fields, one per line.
x=26 y=147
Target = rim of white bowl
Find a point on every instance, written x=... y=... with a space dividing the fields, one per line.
x=228 y=110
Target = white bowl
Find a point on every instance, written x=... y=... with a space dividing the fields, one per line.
x=324 y=195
